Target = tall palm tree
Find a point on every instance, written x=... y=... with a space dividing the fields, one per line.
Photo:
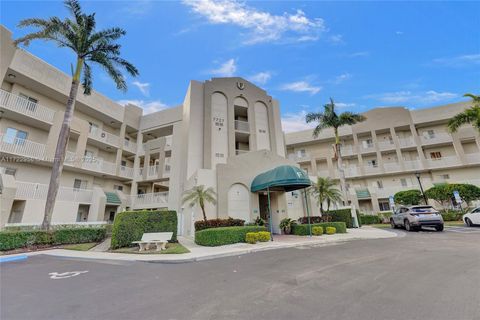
x=324 y=190
x=200 y=195
x=470 y=115
x=90 y=47
x=329 y=118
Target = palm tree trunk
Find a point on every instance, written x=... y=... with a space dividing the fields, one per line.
x=203 y=211
x=61 y=148
x=341 y=172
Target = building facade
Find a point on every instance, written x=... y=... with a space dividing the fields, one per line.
x=382 y=154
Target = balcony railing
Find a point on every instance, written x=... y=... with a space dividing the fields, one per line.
x=130 y=146
x=323 y=173
x=392 y=166
x=437 y=137
x=126 y=172
x=368 y=147
x=351 y=171
x=242 y=126
x=386 y=145
x=412 y=164
x=22 y=147
x=104 y=136
x=443 y=162
x=26 y=107
x=299 y=157
x=346 y=150
x=386 y=192
x=406 y=142
x=157 y=199
x=99 y=165
x=472 y=158
x=372 y=169
x=28 y=190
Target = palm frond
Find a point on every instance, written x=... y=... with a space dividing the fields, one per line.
x=350 y=118
x=470 y=115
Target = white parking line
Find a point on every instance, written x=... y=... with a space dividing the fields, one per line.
x=462 y=229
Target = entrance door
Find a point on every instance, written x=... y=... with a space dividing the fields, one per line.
x=263 y=205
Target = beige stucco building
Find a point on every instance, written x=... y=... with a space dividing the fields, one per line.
x=225 y=133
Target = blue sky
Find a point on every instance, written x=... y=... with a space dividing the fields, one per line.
x=363 y=54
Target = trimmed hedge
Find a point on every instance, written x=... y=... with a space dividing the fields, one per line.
x=302 y=229
x=342 y=215
x=10 y=240
x=226 y=235
x=452 y=215
x=263 y=236
x=331 y=230
x=370 y=219
x=315 y=219
x=251 y=237
x=218 y=223
x=317 y=231
x=129 y=226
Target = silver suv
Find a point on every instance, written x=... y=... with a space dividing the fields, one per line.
x=416 y=217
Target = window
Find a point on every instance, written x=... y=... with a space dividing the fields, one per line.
x=15 y=136
x=368 y=143
x=123 y=163
x=430 y=134
x=89 y=155
x=126 y=141
x=435 y=155
x=80 y=184
x=9 y=171
x=403 y=182
x=301 y=153
x=384 y=205
x=372 y=163
x=379 y=184
x=117 y=187
x=445 y=176
x=31 y=103
x=93 y=127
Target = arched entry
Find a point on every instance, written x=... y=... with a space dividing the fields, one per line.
x=239 y=202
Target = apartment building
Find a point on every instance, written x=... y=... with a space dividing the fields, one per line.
x=382 y=154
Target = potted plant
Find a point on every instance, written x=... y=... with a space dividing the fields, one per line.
x=286 y=225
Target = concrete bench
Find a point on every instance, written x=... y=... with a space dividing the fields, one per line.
x=160 y=239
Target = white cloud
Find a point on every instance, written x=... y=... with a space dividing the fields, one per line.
x=227 y=69
x=459 y=61
x=296 y=122
x=426 y=97
x=341 y=78
x=344 y=105
x=358 y=54
x=336 y=39
x=147 y=106
x=301 y=86
x=262 y=26
x=143 y=87
x=398 y=33
x=261 y=77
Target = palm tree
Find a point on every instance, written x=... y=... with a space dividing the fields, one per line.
x=324 y=190
x=470 y=115
x=330 y=119
x=90 y=47
x=200 y=195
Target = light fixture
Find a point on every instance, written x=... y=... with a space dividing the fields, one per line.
x=12 y=76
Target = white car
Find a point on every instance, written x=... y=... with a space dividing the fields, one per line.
x=472 y=218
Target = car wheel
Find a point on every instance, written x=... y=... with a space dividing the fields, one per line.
x=407 y=225
x=439 y=227
x=468 y=222
x=392 y=223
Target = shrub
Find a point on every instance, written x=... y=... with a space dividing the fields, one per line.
x=303 y=230
x=264 y=236
x=259 y=222
x=385 y=216
x=218 y=223
x=343 y=215
x=451 y=215
x=331 y=230
x=408 y=197
x=315 y=219
x=251 y=237
x=370 y=219
x=226 y=235
x=10 y=240
x=129 y=226
x=443 y=193
x=317 y=231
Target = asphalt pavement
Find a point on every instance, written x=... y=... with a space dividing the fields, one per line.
x=419 y=275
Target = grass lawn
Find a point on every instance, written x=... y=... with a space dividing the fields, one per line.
x=379 y=225
x=80 y=246
x=172 y=248
x=455 y=223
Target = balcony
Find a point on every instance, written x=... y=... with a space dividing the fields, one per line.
x=25 y=107
x=346 y=151
x=129 y=146
x=323 y=173
x=149 y=200
x=406 y=142
x=443 y=162
x=126 y=172
x=386 y=192
x=351 y=171
x=22 y=147
x=392 y=166
x=166 y=170
x=299 y=157
x=386 y=145
x=242 y=126
x=436 y=138
x=37 y=191
x=412 y=164
x=370 y=147
x=99 y=165
x=372 y=170
x=472 y=158
x=104 y=136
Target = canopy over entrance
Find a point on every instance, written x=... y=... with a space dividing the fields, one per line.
x=282 y=178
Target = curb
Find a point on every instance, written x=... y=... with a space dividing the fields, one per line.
x=14 y=258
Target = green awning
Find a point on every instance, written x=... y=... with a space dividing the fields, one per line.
x=282 y=178
x=112 y=198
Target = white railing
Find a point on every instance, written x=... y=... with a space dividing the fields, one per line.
x=368 y=147
x=157 y=199
x=346 y=150
x=412 y=164
x=323 y=173
x=351 y=171
x=392 y=166
x=22 y=147
x=139 y=173
x=130 y=146
x=70 y=157
x=406 y=142
x=38 y=191
x=437 y=137
x=104 y=136
x=371 y=169
x=386 y=145
x=168 y=143
x=298 y=157
x=472 y=158
x=386 y=192
x=126 y=172
x=166 y=170
x=152 y=171
x=26 y=107
x=99 y=165
x=242 y=126
x=443 y=162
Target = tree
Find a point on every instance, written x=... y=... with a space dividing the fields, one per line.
x=330 y=119
x=200 y=195
x=443 y=193
x=408 y=197
x=470 y=115
x=90 y=47
x=324 y=190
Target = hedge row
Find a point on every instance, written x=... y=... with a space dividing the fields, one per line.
x=129 y=226
x=10 y=240
x=370 y=219
x=218 y=223
x=315 y=219
x=303 y=229
x=452 y=215
x=226 y=235
x=342 y=215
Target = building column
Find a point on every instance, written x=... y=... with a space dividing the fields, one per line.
x=377 y=151
x=136 y=164
x=457 y=145
x=418 y=142
x=398 y=150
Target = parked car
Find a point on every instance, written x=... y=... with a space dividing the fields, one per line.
x=472 y=218
x=416 y=217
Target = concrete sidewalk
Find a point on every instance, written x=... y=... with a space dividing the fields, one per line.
x=198 y=253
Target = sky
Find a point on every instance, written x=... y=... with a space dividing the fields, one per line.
x=361 y=54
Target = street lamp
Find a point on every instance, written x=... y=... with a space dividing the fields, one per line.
x=417 y=174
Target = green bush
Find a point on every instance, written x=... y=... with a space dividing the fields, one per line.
x=303 y=230
x=317 y=231
x=251 y=237
x=218 y=223
x=342 y=215
x=443 y=192
x=331 y=230
x=10 y=240
x=129 y=226
x=384 y=216
x=370 y=219
x=226 y=235
x=451 y=215
x=264 y=236
x=408 y=197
